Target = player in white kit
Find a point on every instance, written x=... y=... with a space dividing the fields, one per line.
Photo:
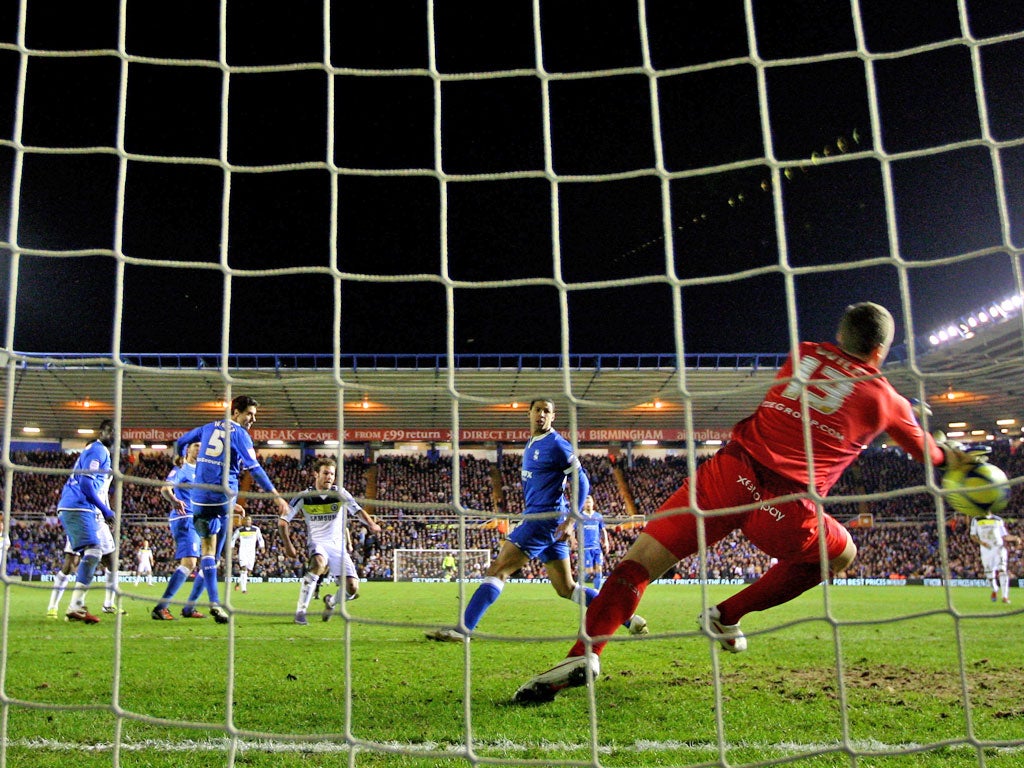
x=144 y=565
x=990 y=534
x=326 y=509
x=249 y=538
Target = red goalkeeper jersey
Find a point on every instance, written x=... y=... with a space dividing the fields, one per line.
x=847 y=407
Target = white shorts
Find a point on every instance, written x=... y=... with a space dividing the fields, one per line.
x=993 y=559
x=248 y=563
x=338 y=561
x=106 y=540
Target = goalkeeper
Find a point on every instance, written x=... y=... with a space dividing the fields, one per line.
x=848 y=404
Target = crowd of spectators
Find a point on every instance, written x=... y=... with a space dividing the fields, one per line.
x=412 y=498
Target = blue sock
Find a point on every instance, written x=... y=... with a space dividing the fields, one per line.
x=87 y=568
x=481 y=600
x=598 y=581
x=173 y=585
x=209 y=565
x=198 y=583
x=197 y=589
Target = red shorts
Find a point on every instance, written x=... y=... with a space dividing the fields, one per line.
x=731 y=478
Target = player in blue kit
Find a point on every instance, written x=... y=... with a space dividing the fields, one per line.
x=211 y=506
x=545 y=532
x=84 y=497
x=595 y=542
x=178 y=492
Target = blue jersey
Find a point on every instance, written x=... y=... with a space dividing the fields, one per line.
x=90 y=482
x=593 y=530
x=548 y=465
x=186 y=540
x=182 y=479
x=213 y=441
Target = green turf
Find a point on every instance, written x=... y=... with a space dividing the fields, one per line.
x=901 y=690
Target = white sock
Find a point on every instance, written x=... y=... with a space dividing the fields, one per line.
x=77 y=596
x=307 y=585
x=110 y=594
x=60 y=583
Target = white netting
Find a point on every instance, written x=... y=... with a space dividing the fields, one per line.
x=606 y=166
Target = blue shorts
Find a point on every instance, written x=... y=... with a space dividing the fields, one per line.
x=212 y=519
x=593 y=558
x=186 y=540
x=81 y=528
x=536 y=538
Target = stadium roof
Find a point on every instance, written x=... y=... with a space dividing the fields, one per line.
x=976 y=381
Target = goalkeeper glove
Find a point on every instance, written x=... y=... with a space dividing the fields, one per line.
x=956 y=455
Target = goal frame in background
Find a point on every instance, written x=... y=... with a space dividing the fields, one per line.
x=467 y=562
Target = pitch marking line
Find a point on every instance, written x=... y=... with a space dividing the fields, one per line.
x=332 y=747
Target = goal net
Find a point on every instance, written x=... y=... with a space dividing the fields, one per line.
x=562 y=178
x=440 y=564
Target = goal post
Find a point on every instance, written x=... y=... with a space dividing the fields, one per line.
x=431 y=565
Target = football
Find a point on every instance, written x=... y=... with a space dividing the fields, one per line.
x=978 y=489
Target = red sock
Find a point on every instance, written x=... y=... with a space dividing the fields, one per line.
x=780 y=584
x=615 y=603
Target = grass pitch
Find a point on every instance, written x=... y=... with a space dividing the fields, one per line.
x=898 y=676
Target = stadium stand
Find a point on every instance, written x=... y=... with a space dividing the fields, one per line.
x=411 y=496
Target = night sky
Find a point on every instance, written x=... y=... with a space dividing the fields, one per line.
x=498 y=203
